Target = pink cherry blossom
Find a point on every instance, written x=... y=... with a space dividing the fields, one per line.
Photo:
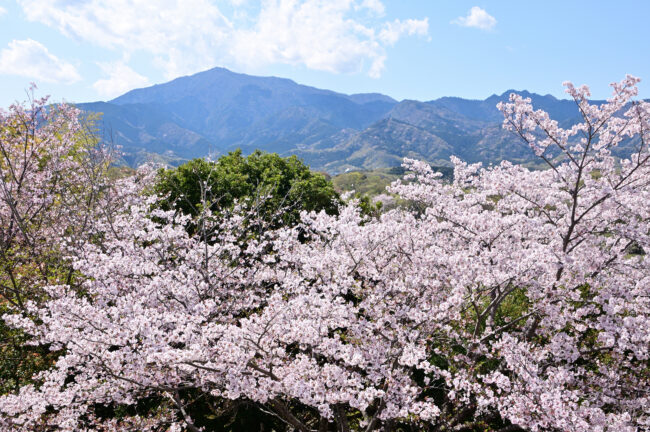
x=509 y=296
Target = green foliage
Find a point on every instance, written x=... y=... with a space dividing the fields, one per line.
x=366 y=182
x=369 y=188
x=368 y=207
x=260 y=179
x=119 y=172
x=375 y=182
x=18 y=360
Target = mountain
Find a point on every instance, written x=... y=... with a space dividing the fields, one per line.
x=218 y=110
x=215 y=111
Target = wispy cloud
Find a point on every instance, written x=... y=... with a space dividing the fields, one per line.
x=185 y=36
x=321 y=36
x=2 y=11
x=374 y=5
x=393 y=31
x=477 y=18
x=29 y=58
x=121 y=78
x=180 y=34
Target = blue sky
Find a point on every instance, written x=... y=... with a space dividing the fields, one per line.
x=85 y=50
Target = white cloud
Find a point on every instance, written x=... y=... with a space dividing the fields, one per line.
x=374 y=5
x=185 y=36
x=477 y=18
x=121 y=78
x=2 y=11
x=31 y=59
x=392 y=31
x=181 y=34
x=313 y=33
x=318 y=34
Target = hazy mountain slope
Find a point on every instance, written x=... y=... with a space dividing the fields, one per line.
x=217 y=110
x=486 y=110
x=146 y=127
x=237 y=110
x=438 y=129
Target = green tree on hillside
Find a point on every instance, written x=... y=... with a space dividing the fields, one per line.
x=261 y=179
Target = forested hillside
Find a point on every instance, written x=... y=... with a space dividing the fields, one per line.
x=217 y=111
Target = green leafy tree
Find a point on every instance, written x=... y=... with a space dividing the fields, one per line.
x=266 y=180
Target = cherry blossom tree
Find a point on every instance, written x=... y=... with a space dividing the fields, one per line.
x=52 y=170
x=511 y=300
x=51 y=175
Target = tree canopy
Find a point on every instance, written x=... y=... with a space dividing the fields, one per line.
x=509 y=300
x=261 y=178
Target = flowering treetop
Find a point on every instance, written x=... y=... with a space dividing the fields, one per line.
x=510 y=299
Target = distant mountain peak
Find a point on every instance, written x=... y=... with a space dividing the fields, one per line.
x=218 y=110
x=371 y=97
x=525 y=93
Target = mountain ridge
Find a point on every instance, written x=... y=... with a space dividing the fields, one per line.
x=216 y=111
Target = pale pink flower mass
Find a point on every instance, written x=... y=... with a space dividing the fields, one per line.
x=512 y=293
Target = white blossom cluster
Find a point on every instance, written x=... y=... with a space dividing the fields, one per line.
x=509 y=293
